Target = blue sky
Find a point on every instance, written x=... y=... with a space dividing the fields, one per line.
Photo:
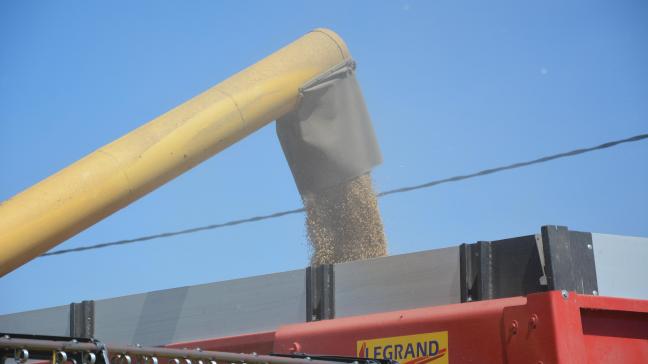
x=452 y=87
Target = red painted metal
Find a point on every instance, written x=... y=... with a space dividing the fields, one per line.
x=260 y=343
x=541 y=328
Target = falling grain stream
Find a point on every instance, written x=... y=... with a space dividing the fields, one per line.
x=344 y=224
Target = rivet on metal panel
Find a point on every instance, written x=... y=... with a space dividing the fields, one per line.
x=564 y=294
x=295 y=348
x=514 y=327
x=533 y=321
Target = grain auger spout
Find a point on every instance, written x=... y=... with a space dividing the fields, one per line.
x=113 y=176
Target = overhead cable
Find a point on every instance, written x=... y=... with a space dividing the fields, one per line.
x=429 y=184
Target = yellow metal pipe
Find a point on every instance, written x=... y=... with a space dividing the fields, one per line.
x=119 y=173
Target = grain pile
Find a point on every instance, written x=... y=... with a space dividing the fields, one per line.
x=343 y=223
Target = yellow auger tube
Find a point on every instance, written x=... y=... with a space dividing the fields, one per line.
x=119 y=173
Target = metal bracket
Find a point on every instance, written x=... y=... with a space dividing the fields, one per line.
x=82 y=319
x=476 y=268
x=569 y=257
x=501 y=268
x=556 y=259
x=320 y=293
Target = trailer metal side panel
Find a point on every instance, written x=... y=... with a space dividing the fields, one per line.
x=397 y=282
x=547 y=327
x=54 y=321
x=621 y=265
x=217 y=309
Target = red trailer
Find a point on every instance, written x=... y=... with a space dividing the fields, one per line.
x=559 y=296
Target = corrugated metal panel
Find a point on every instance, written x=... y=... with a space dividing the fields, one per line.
x=205 y=311
x=397 y=282
x=53 y=321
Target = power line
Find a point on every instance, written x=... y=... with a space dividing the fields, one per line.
x=278 y=214
x=175 y=233
x=484 y=172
